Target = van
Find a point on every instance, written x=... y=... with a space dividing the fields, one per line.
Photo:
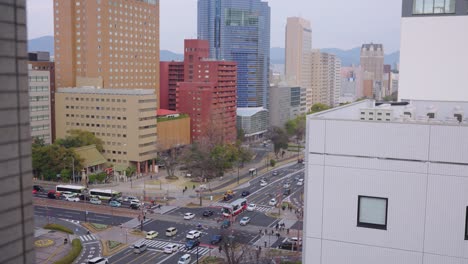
x=98 y=260
x=185 y=259
x=139 y=248
x=171 y=231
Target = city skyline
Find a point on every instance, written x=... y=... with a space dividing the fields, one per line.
x=369 y=27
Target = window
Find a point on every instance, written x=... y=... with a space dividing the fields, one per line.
x=372 y=212
x=466 y=224
x=422 y=7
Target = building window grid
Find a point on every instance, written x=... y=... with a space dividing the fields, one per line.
x=423 y=7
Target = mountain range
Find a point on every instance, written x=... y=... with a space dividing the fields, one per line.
x=348 y=57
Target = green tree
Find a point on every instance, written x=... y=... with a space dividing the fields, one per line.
x=279 y=138
x=244 y=155
x=130 y=171
x=66 y=174
x=50 y=160
x=240 y=135
x=80 y=138
x=272 y=163
x=318 y=107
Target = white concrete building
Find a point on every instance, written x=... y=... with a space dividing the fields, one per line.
x=388 y=191
x=40 y=104
x=434 y=51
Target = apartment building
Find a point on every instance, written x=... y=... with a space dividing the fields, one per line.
x=107 y=43
x=40 y=104
x=124 y=119
x=286 y=103
x=326 y=78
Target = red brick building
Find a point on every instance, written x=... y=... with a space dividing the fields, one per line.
x=207 y=93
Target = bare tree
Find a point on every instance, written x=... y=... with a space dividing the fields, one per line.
x=170 y=158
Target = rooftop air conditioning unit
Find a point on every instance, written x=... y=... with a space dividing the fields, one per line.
x=458 y=113
x=409 y=111
x=431 y=112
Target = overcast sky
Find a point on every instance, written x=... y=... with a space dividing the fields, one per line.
x=341 y=24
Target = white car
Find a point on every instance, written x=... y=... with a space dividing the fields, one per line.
x=263 y=183
x=66 y=194
x=194 y=234
x=287 y=185
x=72 y=198
x=95 y=201
x=300 y=182
x=98 y=260
x=188 y=216
x=171 y=248
x=273 y=202
x=135 y=201
x=251 y=207
x=151 y=234
x=130 y=198
x=245 y=220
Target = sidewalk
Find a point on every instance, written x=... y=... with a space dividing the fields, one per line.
x=49 y=245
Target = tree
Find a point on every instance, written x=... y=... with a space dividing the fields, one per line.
x=243 y=154
x=80 y=138
x=170 y=159
x=279 y=138
x=240 y=135
x=130 y=171
x=391 y=98
x=318 y=107
x=51 y=160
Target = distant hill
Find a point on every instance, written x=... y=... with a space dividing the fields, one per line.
x=45 y=43
x=166 y=55
x=348 y=57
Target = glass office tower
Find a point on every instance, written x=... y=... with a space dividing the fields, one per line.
x=239 y=30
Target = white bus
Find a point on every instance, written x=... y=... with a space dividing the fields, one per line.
x=78 y=189
x=104 y=194
x=235 y=208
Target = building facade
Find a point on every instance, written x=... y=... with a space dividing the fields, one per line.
x=286 y=103
x=203 y=88
x=435 y=26
x=401 y=172
x=17 y=214
x=351 y=84
x=298 y=67
x=326 y=78
x=372 y=60
x=111 y=44
x=124 y=119
x=253 y=121
x=173 y=129
x=40 y=104
x=40 y=61
x=239 y=31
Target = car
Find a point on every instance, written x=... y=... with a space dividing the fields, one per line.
x=275 y=173
x=139 y=248
x=85 y=197
x=263 y=183
x=226 y=224
x=95 y=201
x=151 y=234
x=251 y=207
x=115 y=204
x=135 y=206
x=288 y=245
x=65 y=195
x=300 y=161
x=286 y=192
x=215 y=239
x=185 y=259
x=98 y=260
x=208 y=213
x=135 y=201
x=52 y=195
x=171 y=248
x=171 y=231
x=193 y=234
x=245 y=193
x=191 y=244
x=245 y=220
x=72 y=198
x=129 y=198
x=287 y=185
x=188 y=216
x=38 y=188
x=272 y=202
x=300 y=182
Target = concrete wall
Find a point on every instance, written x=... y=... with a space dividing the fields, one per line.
x=173 y=132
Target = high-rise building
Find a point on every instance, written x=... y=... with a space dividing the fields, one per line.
x=124 y=119
x=351 y=84
x=40 y=104
x=298 y=68
x=239 y=30
x=17 y=214
x=326 y=78
x=204 y=88
x=286 y=103
x=433 y=36
x=107 y=43
x=372 y=60
x=40 y=61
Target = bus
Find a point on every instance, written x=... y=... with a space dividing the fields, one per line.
x=104 y=194
x=78 y=189
x=235 y=208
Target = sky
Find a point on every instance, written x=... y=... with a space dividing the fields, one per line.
x=343 y=24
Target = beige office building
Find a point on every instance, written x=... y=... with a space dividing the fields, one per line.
x=326 y=78
x=107 y=43
x=40 y=104
x=125 y=119
x=298 y=66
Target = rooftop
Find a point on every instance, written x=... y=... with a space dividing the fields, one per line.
x=249 y=111
x=92 y=90
x=165 y=112
x=415 y=111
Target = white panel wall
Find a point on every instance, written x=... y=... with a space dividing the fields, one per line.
x=435 y=259
x=447 y=199
x=314 y=250
x=315 y=135
x=335 y=252
x=389 y=140
x=428 y=46
x=406 y=199
x=449 y=143
x=313 y=198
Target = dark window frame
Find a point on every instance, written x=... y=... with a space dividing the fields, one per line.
x=370 y=225
x=466 y=224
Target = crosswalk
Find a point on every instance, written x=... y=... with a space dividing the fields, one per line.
x=259 y=208
x=88 y=238
x=157 y=244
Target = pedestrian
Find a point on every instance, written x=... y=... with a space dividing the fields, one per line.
x=287 y=231
x=219 y=248
x=193 y=187
x=290 y=209
x=260 y=232
x=260 y=248
x=265 y=244
x=151 y=176
x=272 y=232
x=278 y=235
x=277 y=226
